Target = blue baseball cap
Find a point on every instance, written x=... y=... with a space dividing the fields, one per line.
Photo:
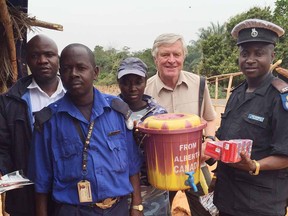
x=132 y=65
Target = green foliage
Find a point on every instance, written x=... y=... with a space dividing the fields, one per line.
x=108 y=62
x=147 y=57
x=193 y=57
x=281 y=18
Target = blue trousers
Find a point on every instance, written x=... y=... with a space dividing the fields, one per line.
x=119 y=209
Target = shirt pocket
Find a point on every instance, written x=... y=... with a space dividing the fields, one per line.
x=256 y=124
x=118 y=153
x=257 y=119
x=68 y=159
x=255 y=191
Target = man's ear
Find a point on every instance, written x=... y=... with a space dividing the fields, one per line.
x=96 y=72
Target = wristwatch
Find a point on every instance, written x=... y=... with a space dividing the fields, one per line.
x=138 y=207
x=256 y=172
x=210 y=137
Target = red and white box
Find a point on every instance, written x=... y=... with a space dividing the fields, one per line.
x=228 y=151
x=232 y=148
x=213 y=149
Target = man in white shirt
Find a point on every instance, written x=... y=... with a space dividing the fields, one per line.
x=17 y=107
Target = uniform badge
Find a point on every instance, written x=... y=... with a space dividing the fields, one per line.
x=256 y=118
x=129 y=123
x=284 y=98
x=254 y=33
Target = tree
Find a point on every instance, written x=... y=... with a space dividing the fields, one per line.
x=193 y=57
x=280 y=17
x=108 y=61
x=146 y=57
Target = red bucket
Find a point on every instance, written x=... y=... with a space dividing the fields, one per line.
x=172 y=145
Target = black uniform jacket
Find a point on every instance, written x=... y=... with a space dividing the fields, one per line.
x=261 y=117
x=15 y=139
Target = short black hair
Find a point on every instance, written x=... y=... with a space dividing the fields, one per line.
x=89 y=52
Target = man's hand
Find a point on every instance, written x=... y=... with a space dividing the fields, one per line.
x=204 y=157
x=245 y=164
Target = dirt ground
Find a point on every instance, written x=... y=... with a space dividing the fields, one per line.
x=180 y=205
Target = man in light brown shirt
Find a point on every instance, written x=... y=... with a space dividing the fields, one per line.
x=177 y=91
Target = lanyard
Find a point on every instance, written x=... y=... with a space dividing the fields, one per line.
x=86 y=143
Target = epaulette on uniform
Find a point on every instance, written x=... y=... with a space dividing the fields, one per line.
x=122 y=107
x=282 y=87
x=41 y=117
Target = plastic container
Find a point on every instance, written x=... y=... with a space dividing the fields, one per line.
x=172 y=145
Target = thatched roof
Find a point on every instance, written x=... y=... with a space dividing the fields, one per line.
x=14 y=23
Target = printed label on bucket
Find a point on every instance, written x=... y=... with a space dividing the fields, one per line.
x=169 y=157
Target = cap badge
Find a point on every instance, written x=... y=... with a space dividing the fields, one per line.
x=254 y=33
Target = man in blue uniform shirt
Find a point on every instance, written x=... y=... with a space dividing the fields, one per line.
x=82 y=151
x=256 y=110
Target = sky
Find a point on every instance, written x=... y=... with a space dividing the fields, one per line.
x=132 y=23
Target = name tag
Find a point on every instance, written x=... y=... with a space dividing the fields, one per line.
x=84 y=191
x=256 y=118
x=113 y=133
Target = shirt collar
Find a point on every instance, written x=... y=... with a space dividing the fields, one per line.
x=261 y=90
x=100 y=103
x=160 y=85
x=34 y=85
x=60 y=89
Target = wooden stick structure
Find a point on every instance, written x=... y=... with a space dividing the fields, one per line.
x=43 y=24
x=282 y=71
x=8 y=26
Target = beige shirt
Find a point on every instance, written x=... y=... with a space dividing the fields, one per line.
x=184 y=98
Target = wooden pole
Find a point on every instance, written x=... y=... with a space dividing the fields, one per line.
x=229 y=87
x=216 y=88
x=8 y=26
x=39 y=23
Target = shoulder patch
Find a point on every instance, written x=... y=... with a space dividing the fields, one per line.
x=122 y=107
x=284 y=98
x=41 y=117
x=280 y=85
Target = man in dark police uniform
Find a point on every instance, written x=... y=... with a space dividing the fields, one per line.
x=256 y=110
